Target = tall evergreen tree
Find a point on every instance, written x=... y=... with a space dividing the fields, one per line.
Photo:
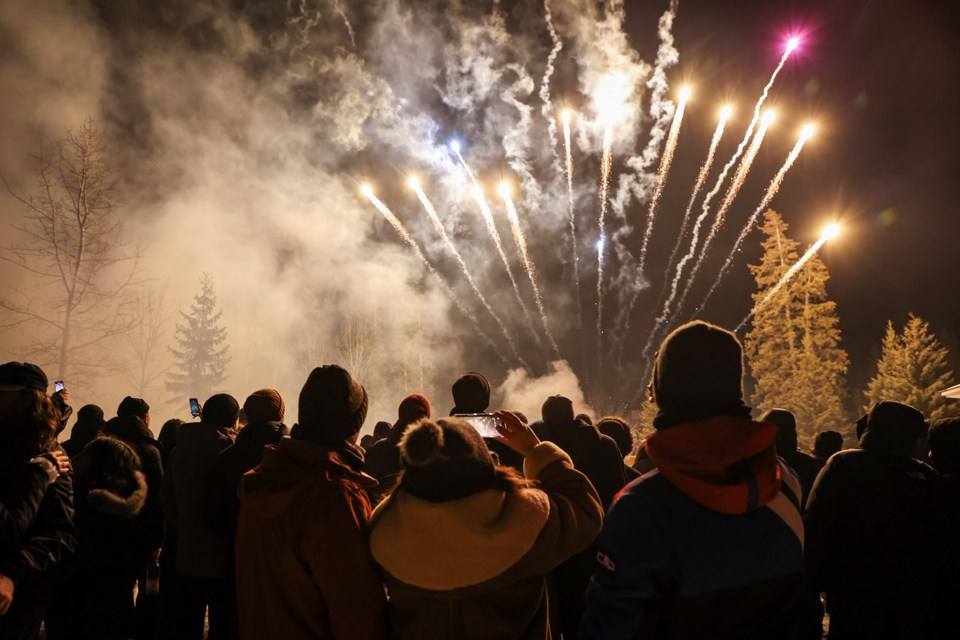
x=913 y=368
x=793 y=348
x=201 y=354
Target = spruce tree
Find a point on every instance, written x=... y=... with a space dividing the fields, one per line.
x=201 y=355
x=913 y=368
x=793 y=348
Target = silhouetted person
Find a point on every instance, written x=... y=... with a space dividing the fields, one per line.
x=826 y=444
x=617 y=429
x=382 y=461
x=303 y=566
x=871 y=525
x=708 y=545
x=204 y=578
x=381 y=430
x=804 y=465
x=94 y=599
x=465 y=543
x=471 y=394
x=168 y=437
x=88 y=426
x=597 y=457
x=944 y=441
x=37 y=528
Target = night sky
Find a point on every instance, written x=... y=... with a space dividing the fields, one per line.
x=881 y=80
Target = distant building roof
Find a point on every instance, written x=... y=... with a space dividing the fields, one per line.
x=953 y=392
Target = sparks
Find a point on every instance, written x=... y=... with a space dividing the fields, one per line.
x=566 y=116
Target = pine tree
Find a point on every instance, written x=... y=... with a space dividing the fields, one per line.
x=913 y=368
x=793 y=348
x=201 y=354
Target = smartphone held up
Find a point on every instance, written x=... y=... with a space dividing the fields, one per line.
x=58 y=386
x=194 y=407
x=484 y=423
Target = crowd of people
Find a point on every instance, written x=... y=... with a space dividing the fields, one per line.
x=715 y=526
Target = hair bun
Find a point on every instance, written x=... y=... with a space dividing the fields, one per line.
x=422 y=444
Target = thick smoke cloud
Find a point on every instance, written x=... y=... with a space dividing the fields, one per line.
x=240 y=133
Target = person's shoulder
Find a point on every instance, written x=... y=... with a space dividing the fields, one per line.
x=641 y=492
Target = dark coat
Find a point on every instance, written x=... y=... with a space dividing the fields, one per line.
x=134 y=432
x=872 y=543
x=221 y=504
x=201 y=552
x=41 y=546
x=303 y=566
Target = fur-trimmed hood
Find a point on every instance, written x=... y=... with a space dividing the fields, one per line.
x=111 y=503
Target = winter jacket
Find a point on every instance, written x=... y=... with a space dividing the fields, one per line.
x=221 y=504
x=872 y=524
x=475 y=567
x=22 y=488
x=40 y=546
x=201 y=552
x=708 y=545
x=94 y=598
x=303 y=567
x=382 y=462
x=133 y=431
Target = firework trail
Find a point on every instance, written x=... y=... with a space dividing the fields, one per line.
x=738 y=178
x=764 y=203
x=829 y=233
x=546 y=103
x=492 y=228
x=697 y=187
x=438 y=225
x=527 y=264
x=606 y=163
x=663 y=173
x=408 y=239
x=568 y=163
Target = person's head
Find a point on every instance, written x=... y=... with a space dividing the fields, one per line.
x=827 y=443
x=29 y=420
x=618 y=429
x=112 y=463
x=944 y=440
x=90 y=414
x=557 y=410
x=698 y=373
x=264 y=405
x=381 y=430
x=221 y=410
x=169 y=432
x=471 y=393
x=584 y=418
x=786 y=424
x=333 y=406
x=131 y=407
x=446 y=459
x=366 y=442
x=893 y=429
x=412 y=408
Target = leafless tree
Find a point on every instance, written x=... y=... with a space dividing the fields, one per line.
x=356 y=348
x=77 y=264
x=150 y=321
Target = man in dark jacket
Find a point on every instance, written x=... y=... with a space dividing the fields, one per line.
x=710 y=543
x=471 y=394
x=805 y=466
x=303 y=566
x=871 y=526
x=88 y=426
x=382 y=461
x=203 y=576
x=37 y=528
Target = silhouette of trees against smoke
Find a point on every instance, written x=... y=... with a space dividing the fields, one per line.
x=150 y=320
x=201 y=355
x=793 y=348
x=913 y=368
x=77 y=265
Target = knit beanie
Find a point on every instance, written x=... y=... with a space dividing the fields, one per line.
x=90 y=413
x=557 y=410
x=333 y=406
x=264 y=405
x=221 y=410
x=132 y=407
x=786 y=424
x=22 y=375
x=412 y=408
x=471 y=393
x=698 y=373
x=445 y=460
